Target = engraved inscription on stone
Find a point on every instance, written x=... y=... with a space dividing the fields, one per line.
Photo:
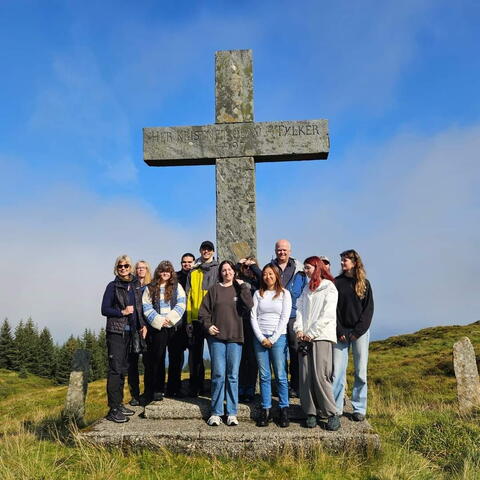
x=265 y=141
x=466 y=373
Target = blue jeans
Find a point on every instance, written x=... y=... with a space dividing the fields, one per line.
x=360 y=361
x=225 y=357
x=277 y=356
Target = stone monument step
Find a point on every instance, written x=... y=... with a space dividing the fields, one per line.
x=245 y=440
x=199 y=408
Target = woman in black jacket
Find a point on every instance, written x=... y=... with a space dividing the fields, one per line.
x=354 y=316
x=122 y=305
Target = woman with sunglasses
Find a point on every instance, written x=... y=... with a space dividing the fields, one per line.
x=122 y=305
x=354 y=316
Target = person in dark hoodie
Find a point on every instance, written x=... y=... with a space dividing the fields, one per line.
x=354 y=316
x=122 y=305
x=202 y=276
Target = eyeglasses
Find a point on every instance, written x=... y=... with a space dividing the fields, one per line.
x=119 y=267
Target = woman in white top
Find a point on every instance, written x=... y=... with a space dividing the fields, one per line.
x=163 y=306
x=315 y=327
x=269 y=317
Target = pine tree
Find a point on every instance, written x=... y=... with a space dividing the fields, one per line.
x=64 y=360
x=46 y=355
x=102 y=354
x=8 y=354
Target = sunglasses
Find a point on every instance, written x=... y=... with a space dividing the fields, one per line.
x=123 y=266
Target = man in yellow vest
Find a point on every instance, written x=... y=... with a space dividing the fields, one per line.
x=203 y=275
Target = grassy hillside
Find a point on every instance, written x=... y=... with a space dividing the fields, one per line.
x=412 y=404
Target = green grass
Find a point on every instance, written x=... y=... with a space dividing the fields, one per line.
x=412 y=405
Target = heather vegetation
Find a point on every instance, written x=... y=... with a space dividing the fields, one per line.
x=412 y=405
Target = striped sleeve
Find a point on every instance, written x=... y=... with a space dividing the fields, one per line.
x=153 y=317
x=173 y=316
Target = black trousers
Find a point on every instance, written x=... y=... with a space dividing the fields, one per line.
x=293 y=352
x=157 y=341
x=195 y=358
x=133 y=376
x=248 y=365
x=177 y=344
x=118 y=346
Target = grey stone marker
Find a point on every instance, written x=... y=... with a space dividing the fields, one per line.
x=234 y=144
x=77 y=387
x=466 y=373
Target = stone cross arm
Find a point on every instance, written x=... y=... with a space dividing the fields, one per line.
x=264 y=141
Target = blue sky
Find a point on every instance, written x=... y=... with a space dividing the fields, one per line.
x=398 y=82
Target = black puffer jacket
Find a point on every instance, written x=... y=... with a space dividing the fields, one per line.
x=116 y=298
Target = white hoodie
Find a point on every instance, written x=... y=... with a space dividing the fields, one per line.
x=317 y=312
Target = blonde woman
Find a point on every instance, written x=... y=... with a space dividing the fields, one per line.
x=354 y=316
x=122 y=305
x=138 y=346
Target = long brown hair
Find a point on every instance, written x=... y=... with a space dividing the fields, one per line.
x=320 y=272
x=154 y=286
x=359 y=273
x=278 y=284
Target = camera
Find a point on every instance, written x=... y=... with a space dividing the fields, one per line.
x=304 y=347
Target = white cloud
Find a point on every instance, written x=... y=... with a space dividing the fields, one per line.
x=59 y=252
x=412 y=213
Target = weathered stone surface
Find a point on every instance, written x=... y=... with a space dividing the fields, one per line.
x=235 y=138
x=466 y=373
x=245 y=440
x=77 y=387
x=198 y=408
x=236 y=212
x=233 y=86
x=265 y=141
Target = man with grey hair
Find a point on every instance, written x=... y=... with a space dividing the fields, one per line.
x=288 y=268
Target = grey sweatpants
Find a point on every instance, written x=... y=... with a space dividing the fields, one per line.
x=316 y=369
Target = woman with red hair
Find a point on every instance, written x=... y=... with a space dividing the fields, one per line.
x=315 y=327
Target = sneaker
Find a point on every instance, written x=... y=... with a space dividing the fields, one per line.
x=116 y=415
x=358 y=417
x=311 y=421
x=232 y=421
x=214 y=421
x=333 y=423
x=134 y=402
x=128 y=412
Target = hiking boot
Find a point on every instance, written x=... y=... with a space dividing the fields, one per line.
x=333 y=423
x=264 y=418
x=284 y=421
x=214 y=421
x=358 y=417
x=311 y=421
x=232 y=421
x=134 y=402
x=292 y=393
x=128 y=412
x=117 y=416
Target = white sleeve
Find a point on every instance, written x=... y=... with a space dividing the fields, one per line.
x=284 y=316
x=328 y=314
x=153 y=317
x=253 y=317
x=298 y=324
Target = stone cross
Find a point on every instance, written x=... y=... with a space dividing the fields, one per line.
x=466 y=373
x=233 y=144
x=77 y=387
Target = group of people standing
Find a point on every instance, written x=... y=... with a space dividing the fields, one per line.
x=286 y=316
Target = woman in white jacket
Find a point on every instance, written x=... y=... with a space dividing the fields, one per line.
x=315 y=327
